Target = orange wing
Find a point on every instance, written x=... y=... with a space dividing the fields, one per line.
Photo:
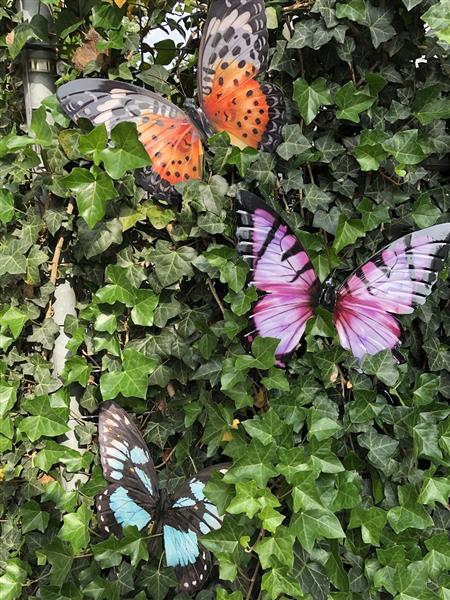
x=169 y=136
x=233 y=52
x=174 y=147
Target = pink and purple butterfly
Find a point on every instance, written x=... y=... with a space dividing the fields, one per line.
x=134 y=498
x=393 y=281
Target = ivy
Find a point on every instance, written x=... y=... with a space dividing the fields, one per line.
x=338 y=486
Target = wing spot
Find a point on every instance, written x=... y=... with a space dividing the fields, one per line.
x=249 y=93
x=168 y=173
x=177 y=174
x=194 y=169
x=221 y=81
x=224 y=65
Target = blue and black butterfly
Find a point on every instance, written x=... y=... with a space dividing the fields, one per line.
x=134 y=498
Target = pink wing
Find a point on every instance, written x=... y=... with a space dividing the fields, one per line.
x=395 y=280
x=281 y=268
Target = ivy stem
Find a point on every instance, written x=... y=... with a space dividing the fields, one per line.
x=216 y=296
x=56 y=259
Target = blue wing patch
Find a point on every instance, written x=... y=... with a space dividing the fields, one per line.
x=145 y=479
x=139 y=456
x=116 y=509
x=181 y=547
x=197 y=489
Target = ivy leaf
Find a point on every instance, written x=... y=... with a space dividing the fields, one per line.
x=157 y=581
x=143 y=311
x=256 y=464
x=92 y=191
x=310 y=98
x=405 y=147
x=371 y=520
x=75 y=529
x=383 y=365
x=132 y=381
x=49 y=418
x=378 y=20
x=7 y=209
x=437 y=17
x=128 y=153
x=8 y=397
x=348 y=232
x=279 y=580
x=119 y=288
x=13 y=578
x=263 y=350
x=276 y=550
x=294 y=142
x=33 y=517
x=352 y=102
x=170 y=264
x=424 y=212
x=61 y=557
x=310 y=525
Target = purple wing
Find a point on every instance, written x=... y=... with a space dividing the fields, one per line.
x=395 y=280
x=281 y=268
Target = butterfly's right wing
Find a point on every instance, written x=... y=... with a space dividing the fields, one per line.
x=190 y=516
x=132 y=497
x=169 y=136
x=233 y=52
x=394 y=281
x=281 y=268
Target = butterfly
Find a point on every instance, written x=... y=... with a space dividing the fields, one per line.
x=233 y=52
x=134 y=498
x=393 y=281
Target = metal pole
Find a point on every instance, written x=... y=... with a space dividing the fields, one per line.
x=39 y=82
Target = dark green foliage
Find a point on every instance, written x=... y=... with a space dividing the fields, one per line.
x=339 y=486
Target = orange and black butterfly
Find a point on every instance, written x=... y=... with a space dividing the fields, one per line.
x=233 y=52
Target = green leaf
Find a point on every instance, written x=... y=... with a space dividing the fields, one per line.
x=7 y=210
x=8 y=397
x=119 y=288
x=157 y=581
x=75 y=529
x=378 y=20
x=352 y=102
x=144 y=308
x=276 y=550
x=33 y=517
x=404 y=146
x=49 y=418
x=13 y=578
x=381 y=447
x=92 y=191
x=128 y=153
x=294 y=142
x=171 y=264
x=371 y=520
x=132 y=381
x=256 y=464
x=424 y=212
x=263 y=350
x=438 y=18
x=383 y=365
x=310 y=525
x=310 y=98
x=60 y=557
x=348 y=232
x=280 y=581
x=409 y=516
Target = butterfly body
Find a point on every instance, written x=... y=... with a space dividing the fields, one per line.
x=393 y=281
x=134 y=498
x=327 y=297
x=233 y=52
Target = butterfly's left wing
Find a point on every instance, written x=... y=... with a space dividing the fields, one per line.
x=233 y=51
x=281 y=268
x=169 y=136
x=132 y=497
x=395 y=280
x=191 y=516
